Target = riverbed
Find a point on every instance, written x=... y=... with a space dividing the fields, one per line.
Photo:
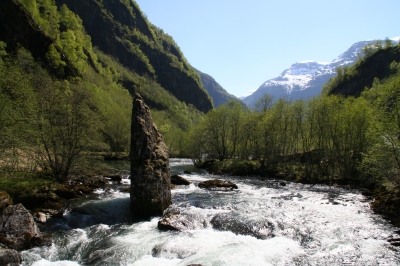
x=264 y=222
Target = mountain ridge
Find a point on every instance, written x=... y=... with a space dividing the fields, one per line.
x=119 y=29
x=305 y=79
x=219 y=95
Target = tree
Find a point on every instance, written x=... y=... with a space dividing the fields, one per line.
x=66 y=124
x=264 y=103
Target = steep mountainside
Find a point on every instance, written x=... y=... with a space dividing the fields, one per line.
x=119 y=29
x=304 y=80
x=48 y=62
x=378 y=65
x=219 y=95
x=18 y=27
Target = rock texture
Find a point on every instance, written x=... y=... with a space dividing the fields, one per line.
x=217 y=184
x=10 y=257
x=179 y=180
x=5 y=200
x=261 y=229
x=18 y=229
x=150 y=175
x=173 y=220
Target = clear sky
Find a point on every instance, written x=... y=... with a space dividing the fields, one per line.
x=243 y=43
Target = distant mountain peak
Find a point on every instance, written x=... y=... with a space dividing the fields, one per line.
x=304 y=79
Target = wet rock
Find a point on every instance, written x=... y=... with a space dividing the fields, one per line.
x=66 y=192
x=283 y=184
x=49 y=213
x=125 y=189
x=261 y=229
x=40 y=217
x=10 y=257
x=178 y=180
x=34 y=201
x=173 y=220
x=150 y=174
x=217 y=184
x=187 y=172
x=5 y=200
x=115 y=178
x=18 y=229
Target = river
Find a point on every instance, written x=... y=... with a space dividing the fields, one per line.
x=261 y=223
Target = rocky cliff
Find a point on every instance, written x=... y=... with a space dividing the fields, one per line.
x=119 y=29
x=150 y=175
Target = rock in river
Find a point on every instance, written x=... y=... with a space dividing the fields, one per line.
x=217 y=184
x=150 y=174
x=18 y=230
x=178 y=180
x=10 y=257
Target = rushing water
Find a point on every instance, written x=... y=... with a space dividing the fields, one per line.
x=261 y=223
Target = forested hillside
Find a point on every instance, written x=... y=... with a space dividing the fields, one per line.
x=219 y=95
x=375 y=62
x=61 y=96
x=335 y=139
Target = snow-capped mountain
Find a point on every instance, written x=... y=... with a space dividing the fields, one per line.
x=303 y=80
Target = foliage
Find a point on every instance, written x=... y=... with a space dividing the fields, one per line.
x=373 y=61
x=322 y=139
x=75 y=101
x=17 y=184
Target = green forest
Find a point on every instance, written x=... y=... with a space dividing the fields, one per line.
x=73 y=103
x=335 y=138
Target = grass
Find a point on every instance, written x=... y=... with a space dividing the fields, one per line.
x=17 y=183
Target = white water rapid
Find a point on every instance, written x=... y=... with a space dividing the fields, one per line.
x=261 y=223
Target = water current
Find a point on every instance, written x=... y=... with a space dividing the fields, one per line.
x=264 y=222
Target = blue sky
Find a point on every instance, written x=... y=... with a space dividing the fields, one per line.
x=243 y=43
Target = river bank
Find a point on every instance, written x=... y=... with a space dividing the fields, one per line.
x=261 y=223
x=386 y=197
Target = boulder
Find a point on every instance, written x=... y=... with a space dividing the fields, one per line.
x=217 y=184
x=10 y=257
x=150 y=174
x=173 y=220
x=115 y=178
x=40 y=217
x=187 y=172
x=261 y=229
x=48 y=200
x=5 y=200
x=178 y=180
x=18 y=229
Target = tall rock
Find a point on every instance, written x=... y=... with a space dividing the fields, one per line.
x=150 y=175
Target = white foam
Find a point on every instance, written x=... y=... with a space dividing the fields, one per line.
x=44 y=262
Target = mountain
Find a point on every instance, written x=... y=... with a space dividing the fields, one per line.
x=378 y=69
x=85 y=59
x=119 y=29
x=303 y=80
x=219 y=95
